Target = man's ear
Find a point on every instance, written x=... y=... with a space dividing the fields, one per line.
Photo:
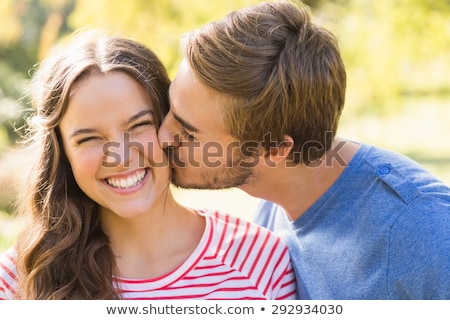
x=279 y=153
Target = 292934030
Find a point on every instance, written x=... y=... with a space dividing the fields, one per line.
x=307 y=309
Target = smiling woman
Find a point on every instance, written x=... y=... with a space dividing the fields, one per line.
x=84 y=135
x=103 y=222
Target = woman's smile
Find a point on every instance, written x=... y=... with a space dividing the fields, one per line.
x=127 y=182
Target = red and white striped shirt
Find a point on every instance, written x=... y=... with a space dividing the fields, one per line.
x=235 y=259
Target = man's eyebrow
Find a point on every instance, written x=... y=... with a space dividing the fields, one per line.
x=184 y=123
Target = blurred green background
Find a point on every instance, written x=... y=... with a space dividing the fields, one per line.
x=397 y=54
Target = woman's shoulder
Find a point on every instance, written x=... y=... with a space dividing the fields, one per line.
x=233 y=228
x=8 y=257
x=8 y=274
x=256 y=253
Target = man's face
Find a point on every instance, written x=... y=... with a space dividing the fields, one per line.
x=203 y=153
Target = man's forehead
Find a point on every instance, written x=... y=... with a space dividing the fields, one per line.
x=185 y=123
x=194 y=105
x=181 y=110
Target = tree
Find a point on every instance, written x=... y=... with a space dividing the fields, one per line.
x=391 y=48
x=29 y=28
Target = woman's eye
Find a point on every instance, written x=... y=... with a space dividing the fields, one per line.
x=143 y=124
x=86 y=139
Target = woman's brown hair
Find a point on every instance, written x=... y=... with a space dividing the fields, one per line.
x=63 y=252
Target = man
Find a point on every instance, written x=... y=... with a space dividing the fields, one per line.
x=255 y=105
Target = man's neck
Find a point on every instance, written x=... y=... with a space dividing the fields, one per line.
x=297 y=188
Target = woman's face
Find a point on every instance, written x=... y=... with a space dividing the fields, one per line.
x=110 y=139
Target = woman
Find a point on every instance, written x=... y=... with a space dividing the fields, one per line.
x=104 y=223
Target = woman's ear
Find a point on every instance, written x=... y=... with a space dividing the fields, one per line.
x=277 y=154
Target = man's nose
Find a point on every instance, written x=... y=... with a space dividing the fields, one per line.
x=168 y=133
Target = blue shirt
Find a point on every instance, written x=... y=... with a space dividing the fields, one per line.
x=381 y=231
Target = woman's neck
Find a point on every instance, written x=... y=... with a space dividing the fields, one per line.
x=156 y=243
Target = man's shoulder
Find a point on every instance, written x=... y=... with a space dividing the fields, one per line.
x=266 y=214
x=400 y=173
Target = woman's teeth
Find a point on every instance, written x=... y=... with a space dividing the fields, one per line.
x=128 y=182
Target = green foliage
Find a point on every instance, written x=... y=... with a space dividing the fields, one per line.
x=11 y=116
x=10 y=17
x=391 y=48
x=158 y=23
x=24 y=37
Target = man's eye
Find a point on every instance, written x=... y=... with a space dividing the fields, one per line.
x=188 y=136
